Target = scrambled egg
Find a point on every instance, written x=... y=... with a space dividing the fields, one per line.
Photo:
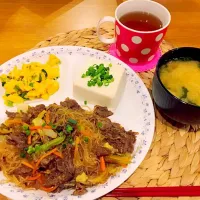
x=34 y=80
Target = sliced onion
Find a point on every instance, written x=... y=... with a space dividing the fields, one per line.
x=50 y=133
x=38 y=121
x=22 y=108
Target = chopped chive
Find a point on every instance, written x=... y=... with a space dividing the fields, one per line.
x=17 y=88
x=22 y=155
x=69 y=128
x=31 y=84
x=99 y=124
x=85 y=102
x=37 y=147
x=10 y=103
x=98 y=74
x=79 y=127
x=25 y=127
x=86 y=139
x=72 y=121
x=3 y=83
x=7 y=95
x=44 y=124
x=45 y=73
x=28 y=132
x=64 y=146
x=70 y=140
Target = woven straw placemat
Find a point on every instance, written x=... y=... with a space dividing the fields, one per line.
x=174 y=157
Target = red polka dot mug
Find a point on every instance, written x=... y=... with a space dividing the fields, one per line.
x=133 y=46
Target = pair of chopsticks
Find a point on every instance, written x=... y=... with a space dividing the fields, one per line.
x=156 y=191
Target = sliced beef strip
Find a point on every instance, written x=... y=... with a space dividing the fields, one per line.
x=66 y=164
x=24 y=116
x=120 y=139
x=22 y=171
x=105 y=124
x=80 y=189
x=18 y=140
x=35 y=111
x=45 y=162
x=11 y=115
x=101 y=151
x=102 y=111
x=61 y=170
x=70 y=104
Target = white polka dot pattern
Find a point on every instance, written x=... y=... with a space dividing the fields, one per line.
x=145 y=51
x=151 y=58
x=117 y=30
x=133 y=60
x=136 y=39
x=124 y=47
x=159 y=37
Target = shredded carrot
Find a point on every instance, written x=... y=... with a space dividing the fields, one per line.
x=48 y=189
x=41 y=179
x=39 y=127
x=33 y=178
x=85 y=133
x=102 y=164
x=28 y=164
x=47 y=117
x=44 y=156
x=29 y=139
x=124 y=166
x=59 y=154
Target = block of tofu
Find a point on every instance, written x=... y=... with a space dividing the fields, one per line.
x=108 y=96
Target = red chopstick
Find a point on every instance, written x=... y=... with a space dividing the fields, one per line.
x=156 y=192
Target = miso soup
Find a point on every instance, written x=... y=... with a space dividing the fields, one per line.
x=182 y=79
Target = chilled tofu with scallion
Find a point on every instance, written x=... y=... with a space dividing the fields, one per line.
x=32 y=81
x=100 y=83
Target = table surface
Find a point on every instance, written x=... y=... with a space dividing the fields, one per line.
x=24 y=23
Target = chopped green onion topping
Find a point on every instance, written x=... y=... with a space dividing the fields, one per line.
x=37 y=147
x=72 y=121
x=31 y=84
x=99 y=124
x=99 y=75
x=85 y=102
x=3 y=83
x=69 y=128
x=79 y=127
x=45 y=73
x=64 y=146
x=44 y=124
x=23 y=94
x=53 y=126
x=70 y=140
x=61 y=134
x=9 y=103
x=22 y=155
x=31 y=150
x=17 y=88
x=7 y=95
x=28 y=132
x=25 y=127
x=86 y=139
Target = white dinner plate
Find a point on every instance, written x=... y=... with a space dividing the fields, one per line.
x=135 y=111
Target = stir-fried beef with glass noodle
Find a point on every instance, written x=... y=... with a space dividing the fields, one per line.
x=63 y=146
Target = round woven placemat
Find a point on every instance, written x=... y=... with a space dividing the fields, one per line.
x=174 y=157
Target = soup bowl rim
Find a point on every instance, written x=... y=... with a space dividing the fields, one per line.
x=159 y=65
